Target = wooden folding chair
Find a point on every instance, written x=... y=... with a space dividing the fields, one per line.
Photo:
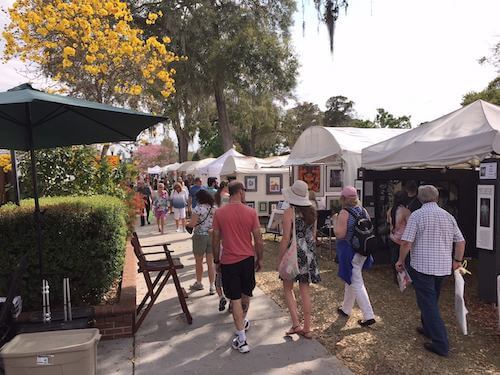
x=166 y=268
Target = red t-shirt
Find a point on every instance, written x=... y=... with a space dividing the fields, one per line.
x=235 y=222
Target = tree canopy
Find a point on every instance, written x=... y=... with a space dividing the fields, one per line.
x=91 y=47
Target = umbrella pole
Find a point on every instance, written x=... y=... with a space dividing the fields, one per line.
x=38 y=218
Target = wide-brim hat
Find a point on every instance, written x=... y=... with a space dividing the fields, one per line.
x=297 y=194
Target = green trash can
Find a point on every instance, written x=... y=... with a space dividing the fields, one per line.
x=67 y=352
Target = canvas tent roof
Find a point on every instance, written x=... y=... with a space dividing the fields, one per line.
x=468 y=134
x=184 y=166
x=319 y=144
x=250 y=164
x=195 y=167
x=214 y=168
x=170 y=167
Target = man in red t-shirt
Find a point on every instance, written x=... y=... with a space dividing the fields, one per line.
x=236 y=224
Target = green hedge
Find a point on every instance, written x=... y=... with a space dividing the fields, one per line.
x=83 y=238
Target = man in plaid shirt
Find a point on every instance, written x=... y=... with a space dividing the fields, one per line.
x=430 y=235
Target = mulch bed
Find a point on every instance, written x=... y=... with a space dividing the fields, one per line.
x=392 y=346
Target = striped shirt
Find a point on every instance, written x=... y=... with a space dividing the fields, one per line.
x=432 y=232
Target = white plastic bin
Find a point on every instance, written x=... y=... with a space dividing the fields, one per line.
x=68 y=352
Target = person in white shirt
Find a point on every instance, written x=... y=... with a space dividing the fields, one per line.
x=431 y=234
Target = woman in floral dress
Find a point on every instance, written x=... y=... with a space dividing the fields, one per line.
x=303 y=214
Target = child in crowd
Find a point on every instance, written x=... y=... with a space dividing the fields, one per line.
x=160 y=206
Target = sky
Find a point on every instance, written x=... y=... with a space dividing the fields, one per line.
x=410 y=57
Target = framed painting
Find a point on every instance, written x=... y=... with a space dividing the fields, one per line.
x=251 y=183
x=313 y=176
x=274 y=183
x=250 y=204
x=333 y=204
x=333 y=179
x=263 y=208
x=272 y=206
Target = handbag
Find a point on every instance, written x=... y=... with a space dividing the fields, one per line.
x=289 y=266
x=190 y=229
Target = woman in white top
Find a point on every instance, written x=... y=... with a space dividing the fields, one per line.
x=179 y=202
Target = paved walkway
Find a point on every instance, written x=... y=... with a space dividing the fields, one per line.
x=166 y=344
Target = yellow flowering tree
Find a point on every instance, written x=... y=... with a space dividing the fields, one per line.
x=92 y=48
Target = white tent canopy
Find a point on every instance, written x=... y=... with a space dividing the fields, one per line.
x=154 y=170
x=195 y=167
x=468 y=134
x=170 y=167
x=214 y=168
x=343 y=146
x=253 y=165
x=184 y=166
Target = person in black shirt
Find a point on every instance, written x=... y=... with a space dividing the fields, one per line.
x=413 y=203
x=145 y=190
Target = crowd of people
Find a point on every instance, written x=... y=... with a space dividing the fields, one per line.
x=425 y=242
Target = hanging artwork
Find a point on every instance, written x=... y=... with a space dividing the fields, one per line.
x=311 y=174
x=333 y=179
x=274 y=183
x=251 y=183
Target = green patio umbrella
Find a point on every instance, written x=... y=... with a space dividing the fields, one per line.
x=31 y=119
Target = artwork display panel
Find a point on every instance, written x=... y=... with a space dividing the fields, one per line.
x=263 y=208
x=250 y=204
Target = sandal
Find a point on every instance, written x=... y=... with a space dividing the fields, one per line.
x=307 y=334
x=293 y=330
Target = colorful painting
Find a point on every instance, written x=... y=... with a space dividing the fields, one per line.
x=311 y=174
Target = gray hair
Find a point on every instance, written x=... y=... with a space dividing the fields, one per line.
x=428 y=193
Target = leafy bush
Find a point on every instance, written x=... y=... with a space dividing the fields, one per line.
x=83 y=238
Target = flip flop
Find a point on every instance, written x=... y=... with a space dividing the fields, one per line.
x=293 y=330
x=306 y=334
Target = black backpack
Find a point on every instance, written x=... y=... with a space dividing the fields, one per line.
x=363 y=240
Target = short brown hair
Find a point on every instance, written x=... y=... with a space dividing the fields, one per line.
x=235 y=187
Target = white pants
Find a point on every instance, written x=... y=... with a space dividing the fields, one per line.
x=356 y=292
x=179 y=213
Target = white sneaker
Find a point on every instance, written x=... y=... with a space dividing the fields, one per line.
x=178 y=230
x=184 y=230
x=211 y=290
x=242 y=347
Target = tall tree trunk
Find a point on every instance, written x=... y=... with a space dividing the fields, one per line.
x=253 y=140
x=105 y=149
x=224 y=126
x=182 y=138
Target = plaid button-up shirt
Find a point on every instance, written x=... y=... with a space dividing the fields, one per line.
x=432 y=232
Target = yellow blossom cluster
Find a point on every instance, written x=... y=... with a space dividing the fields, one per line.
x=5 y=163
x=90 y=40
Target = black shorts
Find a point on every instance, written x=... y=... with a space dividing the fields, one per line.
x=238 y=278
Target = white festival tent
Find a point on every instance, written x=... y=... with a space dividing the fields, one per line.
x=258 y=170
x=252 y=165
x=184 y=166
x=466 y=135
x=170 y=167
x=194 y=169
x=214 y=168
x=155 y=170
x=340 y=147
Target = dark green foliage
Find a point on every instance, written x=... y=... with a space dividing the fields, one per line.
x=83 y=239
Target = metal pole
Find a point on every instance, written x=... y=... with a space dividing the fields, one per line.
x=38 y=227
x=15 y=178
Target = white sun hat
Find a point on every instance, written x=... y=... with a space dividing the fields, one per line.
x=297 y=194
